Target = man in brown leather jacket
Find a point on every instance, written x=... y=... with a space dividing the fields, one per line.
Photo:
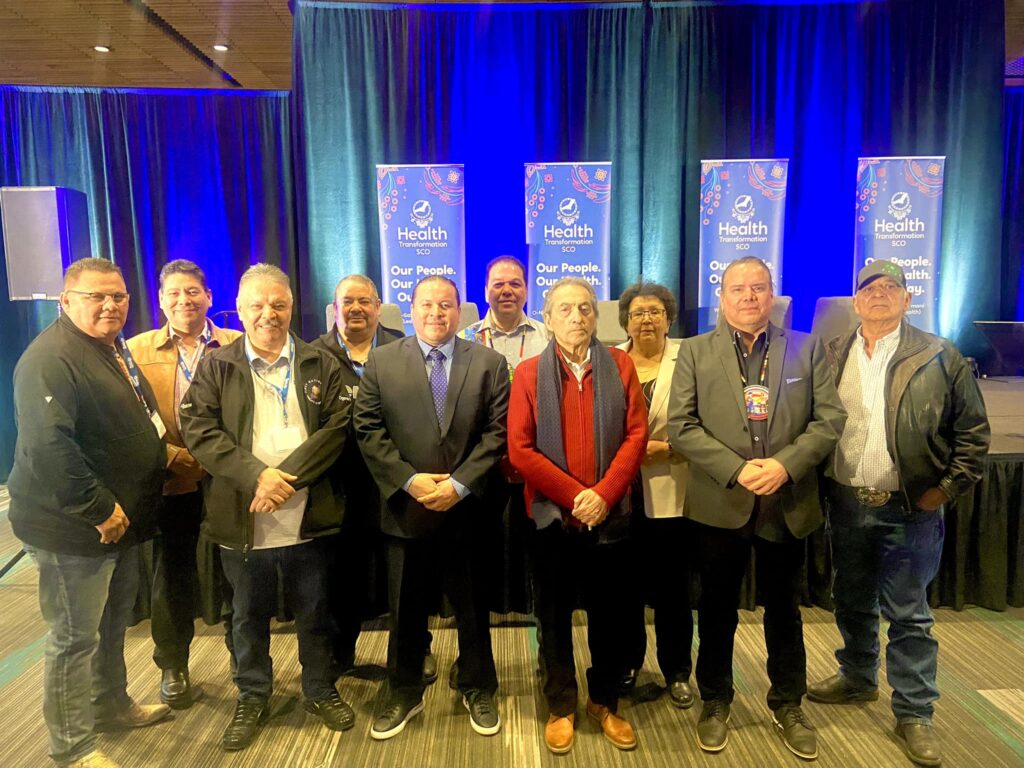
x=168 y=357
x=916 y=436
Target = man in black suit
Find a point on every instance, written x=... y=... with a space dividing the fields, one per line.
x=357 y=330
x=430 y=420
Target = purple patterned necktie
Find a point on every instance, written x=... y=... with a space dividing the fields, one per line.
x=438 y=382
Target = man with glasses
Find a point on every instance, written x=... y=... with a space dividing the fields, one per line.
x=915 y=439
x=168 y=358
x=85 y=492
x=754 y=409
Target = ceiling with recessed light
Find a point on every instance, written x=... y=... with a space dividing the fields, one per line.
x=170 y=43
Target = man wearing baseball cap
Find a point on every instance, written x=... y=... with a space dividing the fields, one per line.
x=915 y=439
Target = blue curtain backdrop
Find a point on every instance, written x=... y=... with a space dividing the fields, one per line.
x=168 y=174
x=1013 y=205
x=654 y=87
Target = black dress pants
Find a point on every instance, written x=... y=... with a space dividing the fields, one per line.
x=571 y=568
x=413 y=565
x=723 y=556
x=661 y=555
x=175 y=580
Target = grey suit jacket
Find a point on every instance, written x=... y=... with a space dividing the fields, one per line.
x=707 y=423
x=398 y=433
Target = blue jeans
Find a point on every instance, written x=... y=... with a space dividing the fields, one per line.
x=883 y=560
x=86 y=603
x=253 y=577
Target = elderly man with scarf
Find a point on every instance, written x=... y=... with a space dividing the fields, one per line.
x=577 y=432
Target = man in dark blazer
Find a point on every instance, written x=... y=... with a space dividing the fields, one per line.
x=356 y=331
x=754 y=409
x=430 y=420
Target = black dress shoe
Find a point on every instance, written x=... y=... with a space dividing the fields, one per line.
x=249 y=715
x=176 y=689
x=429 y=668
x=394 y=717
x=336 y=713
x=713 y=726
x=680 y=693
x=837 y=690
x=797 y=732
x=628 y=681
x=921 y=743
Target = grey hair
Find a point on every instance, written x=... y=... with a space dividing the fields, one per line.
x=357 y=278
x=565 y=282
x=264 y=272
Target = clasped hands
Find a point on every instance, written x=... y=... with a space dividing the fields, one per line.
x=433 y=491
x=273 y=488
x=589 y=508
x=762 y=476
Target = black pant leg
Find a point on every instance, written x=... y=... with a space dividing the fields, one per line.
x=667 y=544
x=779 y=568
x=723 y=557
x=608 y=633
x=175 y=580
x=554 y=562
x=253 y=580
x=465 y=567
x=349 y=555
x=409 y=569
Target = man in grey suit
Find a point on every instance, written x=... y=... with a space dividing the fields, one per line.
x=754 y=409
x=430 y=420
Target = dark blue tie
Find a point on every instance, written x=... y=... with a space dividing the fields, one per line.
x=438 y=382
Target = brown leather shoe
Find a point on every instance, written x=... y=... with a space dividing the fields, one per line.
x=558 y=733
x=616 y=729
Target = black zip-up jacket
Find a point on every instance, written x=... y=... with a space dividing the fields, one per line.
x=216 y=425
x=362 y=499
x=84 y=443
x=936 y=428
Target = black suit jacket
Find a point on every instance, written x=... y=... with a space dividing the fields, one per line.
x=399 y=435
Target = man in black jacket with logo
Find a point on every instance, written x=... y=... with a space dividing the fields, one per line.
x=267 y=417
x=915 y=439
x=85 y=492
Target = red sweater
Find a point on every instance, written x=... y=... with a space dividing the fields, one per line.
x=540 y=473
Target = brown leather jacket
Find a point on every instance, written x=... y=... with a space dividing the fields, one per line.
x=157 y=357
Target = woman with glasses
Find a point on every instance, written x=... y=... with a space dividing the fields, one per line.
x=660 y=535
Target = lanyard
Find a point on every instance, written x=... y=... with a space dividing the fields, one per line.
x=763 y=376
x=127 y=363
x=181 y=361
x=282 y=392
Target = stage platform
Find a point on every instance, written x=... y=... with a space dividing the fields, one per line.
x=1004 y=401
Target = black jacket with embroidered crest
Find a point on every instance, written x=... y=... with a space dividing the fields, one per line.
x=216 y=425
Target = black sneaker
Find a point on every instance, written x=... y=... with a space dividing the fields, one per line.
x=249 y=715
x=713 y=726
x=336 y=713
x=393 y=719
x=483 y=712
x=797 y=732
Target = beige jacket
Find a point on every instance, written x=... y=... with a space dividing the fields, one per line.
x=664 y=483
x=157 y=357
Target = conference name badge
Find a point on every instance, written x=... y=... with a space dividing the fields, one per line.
x=756 y=398
x=285 y=439
x=161 y=430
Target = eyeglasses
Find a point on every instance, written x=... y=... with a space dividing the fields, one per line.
x=640 y=314
x=95 y=297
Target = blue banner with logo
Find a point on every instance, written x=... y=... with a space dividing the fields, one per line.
x=743 y=207
x=568 y=226
x=422 y=229
x=899 y=218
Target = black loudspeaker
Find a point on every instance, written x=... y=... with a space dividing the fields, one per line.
x=45 y=229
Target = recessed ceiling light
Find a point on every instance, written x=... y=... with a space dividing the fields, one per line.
x=101 y=48
x=220 y=48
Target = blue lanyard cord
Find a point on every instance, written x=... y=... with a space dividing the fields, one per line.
x=282 y=392
x=122 y=351
x=181 y=361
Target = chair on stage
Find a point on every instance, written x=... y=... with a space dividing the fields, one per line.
x=833 y=316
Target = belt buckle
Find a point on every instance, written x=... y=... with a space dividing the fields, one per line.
x=872 y=497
